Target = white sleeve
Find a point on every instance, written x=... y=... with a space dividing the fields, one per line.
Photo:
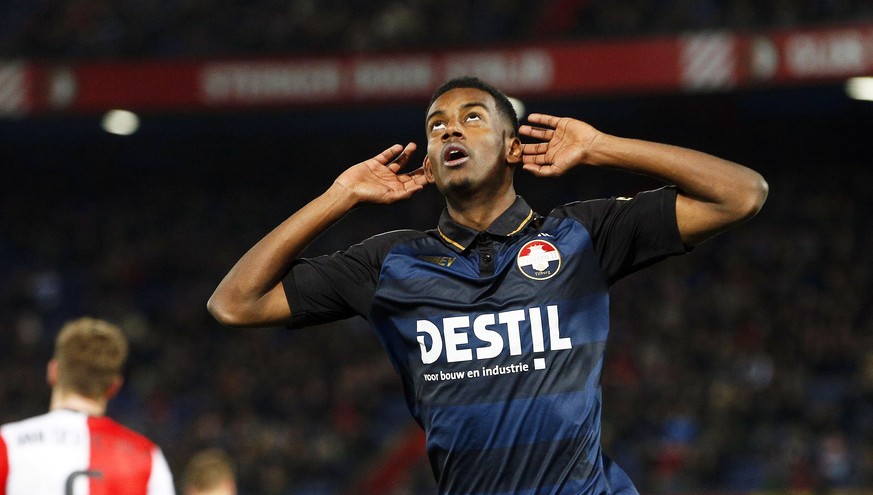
x=161 y=480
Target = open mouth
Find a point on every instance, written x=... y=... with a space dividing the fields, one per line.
x=454 y=154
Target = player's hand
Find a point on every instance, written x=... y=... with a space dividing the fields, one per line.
x=567 y=142
x=378 y=180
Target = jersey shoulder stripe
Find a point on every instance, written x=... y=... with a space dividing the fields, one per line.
x=4 y=466
x=123 y=456
x=65 y=451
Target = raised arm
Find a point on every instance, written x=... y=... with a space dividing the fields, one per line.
x=251 y=294
x=715 y=194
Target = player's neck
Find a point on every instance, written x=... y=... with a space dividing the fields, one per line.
x=479 y=213
x=76 y=402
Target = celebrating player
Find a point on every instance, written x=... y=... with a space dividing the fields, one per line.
x=497 y=319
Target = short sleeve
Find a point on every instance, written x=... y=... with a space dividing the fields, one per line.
x=161 y=479
x=340 y=285
x=630 y=233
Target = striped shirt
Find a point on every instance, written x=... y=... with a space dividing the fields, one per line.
x=499 y=336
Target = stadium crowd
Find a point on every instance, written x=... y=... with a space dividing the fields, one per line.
x=747 y=364
x=53 y=29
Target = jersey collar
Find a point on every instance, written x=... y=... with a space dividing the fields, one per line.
x=460 y=237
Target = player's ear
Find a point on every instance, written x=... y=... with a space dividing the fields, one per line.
x=51 y=373
x=115 y=387
x=513 y=150
x=428 y=170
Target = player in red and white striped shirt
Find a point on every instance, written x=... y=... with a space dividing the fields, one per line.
x=74 y=449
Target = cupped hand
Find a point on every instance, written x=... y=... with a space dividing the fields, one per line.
x=566 y=144
x=378 y=180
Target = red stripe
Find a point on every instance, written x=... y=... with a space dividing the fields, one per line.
x=395 y=464
x=4 y=466
x=122 y=456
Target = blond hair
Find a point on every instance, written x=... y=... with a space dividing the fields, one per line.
x=91 y=354
x=207 y=469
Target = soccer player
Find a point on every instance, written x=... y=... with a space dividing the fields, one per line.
x=74 y=449
x=497 y=319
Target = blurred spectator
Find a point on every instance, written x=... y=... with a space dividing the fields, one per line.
x=773 y=388
x=209 y=472
x=780 y=376
x=59 y=29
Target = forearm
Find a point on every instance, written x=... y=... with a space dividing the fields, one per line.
x=699 y=175
x=714 y=193
x=251 y=294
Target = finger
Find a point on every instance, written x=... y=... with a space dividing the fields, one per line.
x=543 y=119
x=534 y=169
x=405 y=155
x=536 y=159
x=405 y=177
x=534 y=148
x=539 y=159
x=541 y=170
x=403 y=158
x=389 y=154
x=418 y=176
x=412 y=187
x=536 y=132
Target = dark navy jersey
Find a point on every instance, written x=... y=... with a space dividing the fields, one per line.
x=499 y=336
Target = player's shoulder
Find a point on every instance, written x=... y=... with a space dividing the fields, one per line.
x=398 y=235
x=585 y=210
x=40 y=420
x=387 y=240
x=104 y=425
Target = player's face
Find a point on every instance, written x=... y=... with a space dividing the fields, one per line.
x=470 y=144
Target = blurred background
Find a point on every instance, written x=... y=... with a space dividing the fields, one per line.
x=145 y=145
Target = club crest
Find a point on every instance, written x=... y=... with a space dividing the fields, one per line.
x=539 y=260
